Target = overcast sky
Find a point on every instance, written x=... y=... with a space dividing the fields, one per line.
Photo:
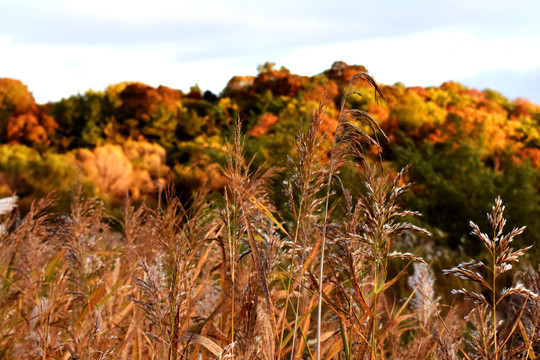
x=64 y=47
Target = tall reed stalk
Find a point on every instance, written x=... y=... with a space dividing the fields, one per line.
x=246 y=201
x=305 y=199
x=347 y=142
x=500 y=257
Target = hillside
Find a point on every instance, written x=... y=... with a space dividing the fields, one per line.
x=465 y=145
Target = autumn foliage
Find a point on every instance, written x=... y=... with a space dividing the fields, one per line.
x=131 y=137
x=22 y=120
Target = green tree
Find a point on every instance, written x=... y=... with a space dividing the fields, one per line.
x=453 y=185
x=28 y=174
x=82 y=120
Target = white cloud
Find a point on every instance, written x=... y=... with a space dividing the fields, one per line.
x=61 y=47
x=422 y=59
x=52 y=72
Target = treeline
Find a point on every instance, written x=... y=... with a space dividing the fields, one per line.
x=465 y=146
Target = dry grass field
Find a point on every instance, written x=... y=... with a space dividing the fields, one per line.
x=225 y=277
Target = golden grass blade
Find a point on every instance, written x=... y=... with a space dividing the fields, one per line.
x=360 y=297
x=530 y=350
x=267 y=212
x=336 y=347
x=289 y=336
x=208 y=344
x=53 y=264
x=396 y=278
x=93 y=300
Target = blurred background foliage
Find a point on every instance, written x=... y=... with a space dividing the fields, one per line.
x=465 y=146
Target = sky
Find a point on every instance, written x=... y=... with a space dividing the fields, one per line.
x=60 y=48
